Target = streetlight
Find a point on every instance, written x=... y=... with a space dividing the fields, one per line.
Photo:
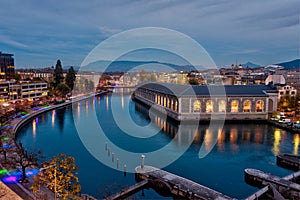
x=41 y=169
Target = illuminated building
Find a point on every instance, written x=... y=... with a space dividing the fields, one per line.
x=7 y=67
x=186 y=102
x=14 y=91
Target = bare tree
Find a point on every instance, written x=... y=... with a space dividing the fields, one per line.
x=24 y=159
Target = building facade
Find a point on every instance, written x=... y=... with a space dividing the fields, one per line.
x=7 y=66
x=186 y=102
x=286 y=90
x=15 y=91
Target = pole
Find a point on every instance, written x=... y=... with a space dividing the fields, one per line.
x=143 y=160
x=55 y=182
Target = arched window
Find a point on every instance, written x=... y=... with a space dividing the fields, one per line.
x=209 y=106
x=222 y=106
x=197 y=106
x=247 y=106
x=259 y=106
x=234 y=106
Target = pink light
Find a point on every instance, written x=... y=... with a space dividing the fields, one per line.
x=10 y=179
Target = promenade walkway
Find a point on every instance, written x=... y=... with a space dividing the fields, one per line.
x=9 y=130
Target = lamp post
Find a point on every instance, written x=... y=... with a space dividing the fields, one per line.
x=41 y=169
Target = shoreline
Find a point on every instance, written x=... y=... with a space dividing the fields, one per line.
x=17 y=123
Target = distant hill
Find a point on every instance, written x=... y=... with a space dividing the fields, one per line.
x=251 y=65
x=125 y=66
x=290 y=64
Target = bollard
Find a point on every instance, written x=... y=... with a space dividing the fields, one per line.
x=124 y=170
x=112 y=157
x=108 y=151
x=105 y=146
x=117 y=163
x=143 y=160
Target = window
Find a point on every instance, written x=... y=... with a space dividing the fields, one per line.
x=196 y=106
x=209 y=106
x=234 y=106
x=247 y=106
x=222 y=106
x=259 y=106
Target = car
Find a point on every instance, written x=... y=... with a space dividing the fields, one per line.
x=297 y=126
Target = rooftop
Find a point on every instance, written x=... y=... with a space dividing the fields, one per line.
x=210 y=90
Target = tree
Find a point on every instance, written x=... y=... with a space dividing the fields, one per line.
x=17 y=77
x=60 y=174
x=70 y=78
x=58 y=73
x=62 y=90
x=24 y=159
x=193 y=81
x=153 y=77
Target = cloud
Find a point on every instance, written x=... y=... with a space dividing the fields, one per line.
x=10 y=42
x=64 y=28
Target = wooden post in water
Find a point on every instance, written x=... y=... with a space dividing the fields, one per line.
x=124 y=170
x=112 y=157
x=108 y=151
x=117 y=163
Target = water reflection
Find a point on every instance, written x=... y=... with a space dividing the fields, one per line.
x=53 y=118
x=296 y=144
x=34 y=128
x=230 y=136
x=107 y=103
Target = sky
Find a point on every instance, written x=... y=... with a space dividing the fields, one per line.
x=40 y=32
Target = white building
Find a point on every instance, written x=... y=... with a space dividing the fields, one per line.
x=286 y=91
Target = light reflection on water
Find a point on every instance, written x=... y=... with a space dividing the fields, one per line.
x=238 y=146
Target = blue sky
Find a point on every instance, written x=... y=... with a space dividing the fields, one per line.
x=40 y=32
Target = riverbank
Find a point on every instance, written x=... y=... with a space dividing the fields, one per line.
x=284 y=126
x=10 y=131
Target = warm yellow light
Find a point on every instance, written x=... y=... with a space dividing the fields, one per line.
x=277 y=138
x=296 y=143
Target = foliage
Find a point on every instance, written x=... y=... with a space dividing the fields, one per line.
x=70 y=78
x=62 y=89
x=17 y=77
x=153 y=77
x=66 y=181
x=288 y=103
x=193 y=81
x=24 y=159
x=58 y=73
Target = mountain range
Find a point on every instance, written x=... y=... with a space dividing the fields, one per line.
x=125 y=66
x=290 y=64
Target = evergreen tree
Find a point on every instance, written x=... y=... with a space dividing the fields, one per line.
x=70 y=78
x=58 y=73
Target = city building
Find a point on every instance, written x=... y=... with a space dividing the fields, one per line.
x=7 y=66
x=4 y=91
x=14 y=91
x=286 y=90
x=186 y=102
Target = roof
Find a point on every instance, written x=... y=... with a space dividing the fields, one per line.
x=210 y=90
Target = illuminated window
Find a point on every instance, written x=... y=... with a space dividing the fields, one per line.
x=247 y=106
x=158 y=99
x=197 y=106
x=209 y=106
x=222 y=106
x=165 y=102
x=234 y=106
x=176 y=105
x=259 y=106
